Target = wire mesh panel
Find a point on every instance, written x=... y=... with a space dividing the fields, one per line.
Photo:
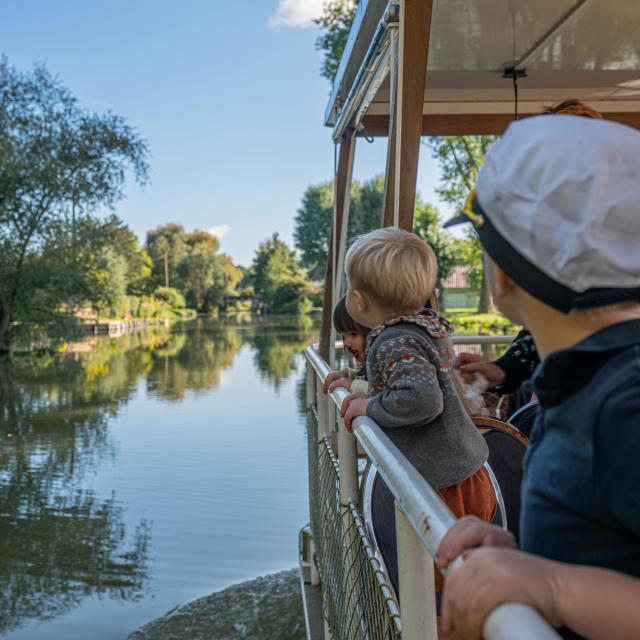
x=358 y=603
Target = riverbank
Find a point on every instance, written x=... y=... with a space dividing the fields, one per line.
x=261 y=609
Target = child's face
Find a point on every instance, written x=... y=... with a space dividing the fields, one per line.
x=354 y=344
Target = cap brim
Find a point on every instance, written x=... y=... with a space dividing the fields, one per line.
x=461 y=218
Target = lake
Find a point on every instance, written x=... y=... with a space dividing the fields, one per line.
x=142 y=472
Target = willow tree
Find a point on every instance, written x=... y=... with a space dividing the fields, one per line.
x=59 y=163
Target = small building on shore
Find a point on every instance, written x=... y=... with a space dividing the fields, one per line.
x=457 y=292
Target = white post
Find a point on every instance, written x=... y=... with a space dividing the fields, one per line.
x=311 y=385
x=417 y=587
x=348 y=465
x=315 y=576
x=326 y=414
x=349 y=494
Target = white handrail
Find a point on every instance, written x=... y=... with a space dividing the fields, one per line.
x=428 y=515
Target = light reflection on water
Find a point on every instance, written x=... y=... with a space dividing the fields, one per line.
x=151 y=470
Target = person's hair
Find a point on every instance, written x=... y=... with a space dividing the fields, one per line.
x=344 y=323
x=394 y=267
x=574 y=107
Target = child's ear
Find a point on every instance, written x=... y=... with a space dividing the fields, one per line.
x=362 y=303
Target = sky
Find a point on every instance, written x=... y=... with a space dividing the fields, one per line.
x=228 y=96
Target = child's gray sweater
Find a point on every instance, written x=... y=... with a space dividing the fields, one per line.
x=413 y=399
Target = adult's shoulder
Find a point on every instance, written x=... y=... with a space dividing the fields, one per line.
x=617 y=438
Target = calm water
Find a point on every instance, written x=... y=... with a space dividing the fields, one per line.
x=146 y=472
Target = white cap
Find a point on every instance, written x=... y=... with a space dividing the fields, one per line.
x=558 y=202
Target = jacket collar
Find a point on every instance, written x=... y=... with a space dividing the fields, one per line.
x=430 y=320
x=565 y=372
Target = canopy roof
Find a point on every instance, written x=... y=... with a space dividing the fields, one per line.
x=586 y=49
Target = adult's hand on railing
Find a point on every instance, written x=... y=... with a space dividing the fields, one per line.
x=470 y=532
x=490 y=577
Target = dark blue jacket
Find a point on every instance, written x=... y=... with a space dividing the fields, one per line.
x=581 y=488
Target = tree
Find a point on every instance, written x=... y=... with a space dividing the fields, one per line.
x=93 y=236
x=277 y=275
x=336 y=22
x=312 y=226
x=460 y=159
x=58 y=163
x=313 y=220
x=166 y=246
x=427 y=223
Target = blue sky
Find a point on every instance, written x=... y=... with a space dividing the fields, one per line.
x=227 y=94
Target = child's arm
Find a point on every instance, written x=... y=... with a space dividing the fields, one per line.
x=412 y=393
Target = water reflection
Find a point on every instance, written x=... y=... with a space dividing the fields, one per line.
x=60 y=541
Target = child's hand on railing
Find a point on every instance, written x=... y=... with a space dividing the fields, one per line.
x=470 y=532
x=341 y=382
x=331 y=377
x=353 y=406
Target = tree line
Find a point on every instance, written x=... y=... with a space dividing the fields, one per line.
x=61 y=262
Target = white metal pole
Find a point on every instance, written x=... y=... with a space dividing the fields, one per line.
x=417 y=587
x=342 y=232
x=326 y=414
x=349 y=494
x=315 y=576
x=311 y=385
x=348 y=465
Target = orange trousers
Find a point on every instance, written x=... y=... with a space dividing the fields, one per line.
x=471 y=497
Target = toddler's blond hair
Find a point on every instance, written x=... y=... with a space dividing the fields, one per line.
x=394 y=267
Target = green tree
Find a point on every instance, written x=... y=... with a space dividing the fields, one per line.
x=335 y=24
x=58 y=163
x=427 y=223
x=277 y=275
x=166 y=243
x=205 y=276
x=313 y=220
x=93 y=236
x=460 y=159
x=312 y=225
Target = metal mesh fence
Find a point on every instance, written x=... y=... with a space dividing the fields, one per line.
x=358 y=603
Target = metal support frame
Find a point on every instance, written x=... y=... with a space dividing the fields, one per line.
x=311 y=400
x=341 y=209
x=413 y=50
x=416 y=577
x=422 y=511
x=337 y=242
x=393 y=13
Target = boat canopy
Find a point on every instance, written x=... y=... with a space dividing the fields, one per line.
x=557 y=49
x=466 y=67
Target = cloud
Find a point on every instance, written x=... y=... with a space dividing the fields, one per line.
x=296 y=13
x=219 y=230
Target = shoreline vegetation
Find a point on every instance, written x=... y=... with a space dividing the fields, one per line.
x=64 y=267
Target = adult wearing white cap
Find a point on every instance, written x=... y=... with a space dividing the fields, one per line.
x=557 y=209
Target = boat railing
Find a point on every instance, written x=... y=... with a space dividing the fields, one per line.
x=357 y=599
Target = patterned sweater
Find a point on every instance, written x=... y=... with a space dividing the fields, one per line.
x=412 y=398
